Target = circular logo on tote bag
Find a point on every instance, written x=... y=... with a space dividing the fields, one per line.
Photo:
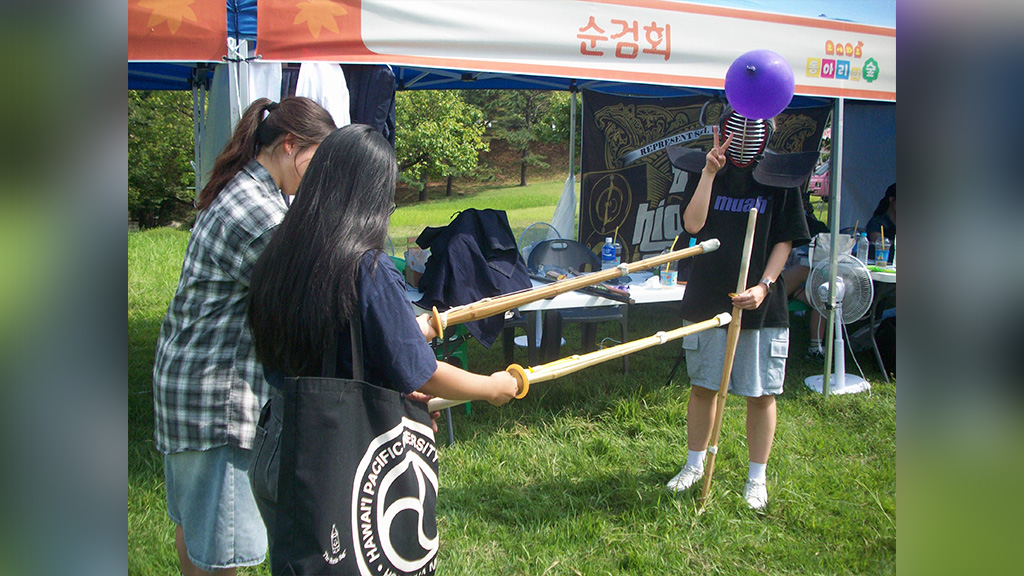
x=394 y=496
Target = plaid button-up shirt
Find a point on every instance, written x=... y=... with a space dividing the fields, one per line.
x=208 y=387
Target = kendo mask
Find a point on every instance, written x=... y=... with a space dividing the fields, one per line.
x=749 y=147
x=749 y=137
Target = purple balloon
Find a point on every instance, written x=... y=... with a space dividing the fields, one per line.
x=759 y=84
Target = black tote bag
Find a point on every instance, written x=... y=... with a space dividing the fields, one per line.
x=358 y=477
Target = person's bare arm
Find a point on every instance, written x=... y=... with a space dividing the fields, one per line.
x=454 y=383
x=752 y=297
x=696 y=213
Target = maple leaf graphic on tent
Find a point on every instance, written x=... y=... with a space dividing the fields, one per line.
x=319 y=14
x=171 y=11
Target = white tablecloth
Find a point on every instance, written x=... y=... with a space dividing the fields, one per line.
x=643 y=289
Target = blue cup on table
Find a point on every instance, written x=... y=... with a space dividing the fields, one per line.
x=882 y=248
x=668 y=273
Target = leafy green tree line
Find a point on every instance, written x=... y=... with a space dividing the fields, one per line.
x=440 y=134
x=161 y=180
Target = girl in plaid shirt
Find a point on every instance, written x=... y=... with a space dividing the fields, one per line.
x=208 y=387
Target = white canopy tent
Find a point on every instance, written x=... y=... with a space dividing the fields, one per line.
x=838 y=50
x=652 y=47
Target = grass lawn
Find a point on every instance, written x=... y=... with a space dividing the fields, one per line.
x=570 y=479
x=524 y=206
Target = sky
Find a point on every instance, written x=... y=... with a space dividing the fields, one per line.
x=877 y=12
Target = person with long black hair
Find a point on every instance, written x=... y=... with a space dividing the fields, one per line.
x=207 y=385
x=325 y=265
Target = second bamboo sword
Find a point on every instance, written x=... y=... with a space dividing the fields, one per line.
x=559 y=368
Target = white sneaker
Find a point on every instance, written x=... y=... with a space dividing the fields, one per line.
x=687 y=477
x=756 y=494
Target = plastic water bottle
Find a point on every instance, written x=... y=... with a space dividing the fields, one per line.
x=607 y=254
x=618 y=253
x=862 y=248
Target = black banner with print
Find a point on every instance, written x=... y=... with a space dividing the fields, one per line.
x=630 y=191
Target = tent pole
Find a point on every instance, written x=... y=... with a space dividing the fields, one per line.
x=835 y=198
x=198 y=113
x=195 y=134
x=204 y=94
x=572 y=133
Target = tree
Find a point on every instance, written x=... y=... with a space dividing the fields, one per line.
x=558 y=118
x=437 y=135
x=518 y=117
x=160 y=150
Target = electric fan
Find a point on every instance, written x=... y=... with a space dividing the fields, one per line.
x=534 y=234
x=854 y=292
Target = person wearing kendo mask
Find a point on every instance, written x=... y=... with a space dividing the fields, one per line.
x=718 y=208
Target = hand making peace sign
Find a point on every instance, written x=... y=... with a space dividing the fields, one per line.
x=716 y=156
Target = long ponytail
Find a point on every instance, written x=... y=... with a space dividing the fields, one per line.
x=262 y=125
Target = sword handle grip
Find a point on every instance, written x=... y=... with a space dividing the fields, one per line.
x=519 y=373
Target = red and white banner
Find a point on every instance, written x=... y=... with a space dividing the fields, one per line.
x=644 y=41
x=177 y=30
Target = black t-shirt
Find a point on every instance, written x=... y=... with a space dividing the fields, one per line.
x=780 y=218
x=815 y=226
x=395 y=353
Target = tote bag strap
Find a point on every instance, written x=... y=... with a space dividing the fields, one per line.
x=330 y=366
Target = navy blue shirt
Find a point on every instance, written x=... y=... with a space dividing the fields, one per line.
x=395 y=353
x=472 y=258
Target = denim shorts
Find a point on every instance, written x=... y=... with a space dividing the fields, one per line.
x=759 y=366
x=208 y=495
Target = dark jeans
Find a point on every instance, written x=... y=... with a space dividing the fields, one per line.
x=266 y=460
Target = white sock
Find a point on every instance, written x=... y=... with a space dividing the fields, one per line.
x=695 y=459
x=757 y=471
